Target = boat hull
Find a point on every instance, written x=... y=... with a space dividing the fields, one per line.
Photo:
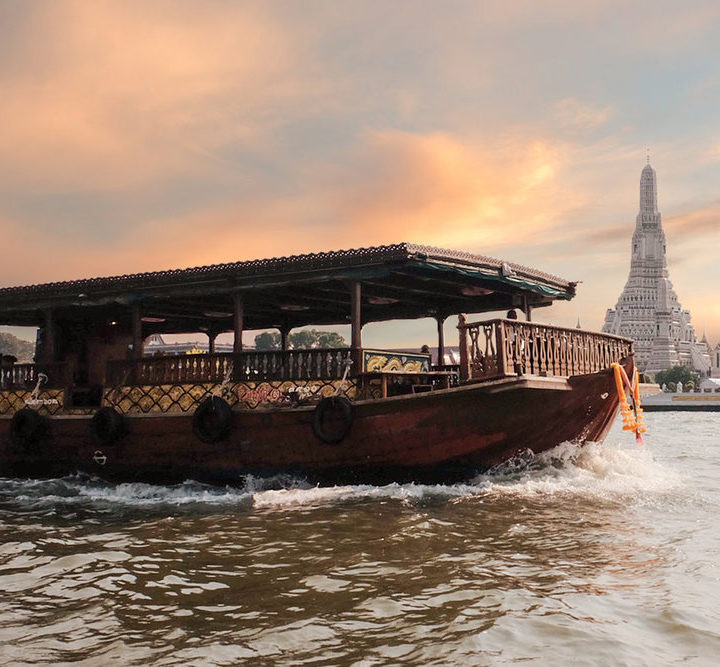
x=439 y=436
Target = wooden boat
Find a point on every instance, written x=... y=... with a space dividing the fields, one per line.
x=93 y=402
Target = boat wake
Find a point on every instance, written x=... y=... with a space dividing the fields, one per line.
x=602 y=472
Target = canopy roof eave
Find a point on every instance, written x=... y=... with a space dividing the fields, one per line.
x=402 y=281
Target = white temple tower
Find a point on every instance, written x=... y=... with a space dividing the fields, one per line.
x=648 y=309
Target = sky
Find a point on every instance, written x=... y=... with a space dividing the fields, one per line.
x=138 y=136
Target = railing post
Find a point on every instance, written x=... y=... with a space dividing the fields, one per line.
x=462 y=342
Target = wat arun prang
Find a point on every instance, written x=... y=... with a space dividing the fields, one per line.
x=648 y=309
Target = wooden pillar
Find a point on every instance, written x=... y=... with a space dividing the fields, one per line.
x=463 y=342
x=238 y=323
x=212 y=335
x=49 y=337
x=356 y=325
x=527 y=309
x=441 y=340
x=137 y=332
x=284 y=331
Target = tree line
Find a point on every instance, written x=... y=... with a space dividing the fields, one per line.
x=300 y=340
x=671 y=377
x=17 y=347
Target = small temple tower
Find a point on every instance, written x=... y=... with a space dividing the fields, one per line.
x=648 y=309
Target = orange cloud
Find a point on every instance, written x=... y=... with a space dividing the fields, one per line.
x=701 y=222
x=438 y=188
x=116 y=94
x=430 y=188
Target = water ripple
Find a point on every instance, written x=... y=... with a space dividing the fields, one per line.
x=606 y=552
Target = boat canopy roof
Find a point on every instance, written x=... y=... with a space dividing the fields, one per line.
x=400 y=281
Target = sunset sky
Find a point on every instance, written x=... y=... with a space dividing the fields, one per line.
x=140 y=135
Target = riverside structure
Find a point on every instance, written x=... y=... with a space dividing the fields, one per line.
x=648 y=310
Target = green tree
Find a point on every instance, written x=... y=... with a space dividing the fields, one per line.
x=267 y=340
x=306 y=339
x=677 y=374
x=312 y=338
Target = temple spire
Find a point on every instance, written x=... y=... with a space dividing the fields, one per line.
x=648 y=310
x=648 y=197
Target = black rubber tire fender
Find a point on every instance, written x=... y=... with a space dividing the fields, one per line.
x=28 y=428
x=332 y=419
x=108 y=426
x=212 y=420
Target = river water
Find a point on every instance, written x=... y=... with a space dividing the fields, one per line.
x=607 y=555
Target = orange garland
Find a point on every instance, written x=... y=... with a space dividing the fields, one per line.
x=633 y=419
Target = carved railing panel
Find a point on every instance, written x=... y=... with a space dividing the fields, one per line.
x=320 y=364
x=483 y=351
x=26 y=375
x=499 y=348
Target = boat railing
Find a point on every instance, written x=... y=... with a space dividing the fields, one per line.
x=502 y=348
x=446 y=368
x=315 y=364
x=25 y=376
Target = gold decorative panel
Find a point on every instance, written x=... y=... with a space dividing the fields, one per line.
x=47 y=402
x=388 y=361
x=246 y=395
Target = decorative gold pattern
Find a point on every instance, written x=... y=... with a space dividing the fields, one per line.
x=182 y=397
x=48 y=402
x=245 y=395
x=401 y=363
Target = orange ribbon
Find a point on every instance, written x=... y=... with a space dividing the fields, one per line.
x=633 y=419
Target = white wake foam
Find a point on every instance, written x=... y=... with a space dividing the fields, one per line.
x=607 y=471
x=601 y=471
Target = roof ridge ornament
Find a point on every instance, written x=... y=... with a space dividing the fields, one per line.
x=506 y=270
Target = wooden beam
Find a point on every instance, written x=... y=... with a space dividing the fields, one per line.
x=494 y=285
x=404 y=288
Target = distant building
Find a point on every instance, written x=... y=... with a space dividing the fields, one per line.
x=648 y=309
x=710 y=385
x=715 y=357
x=155 y=345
